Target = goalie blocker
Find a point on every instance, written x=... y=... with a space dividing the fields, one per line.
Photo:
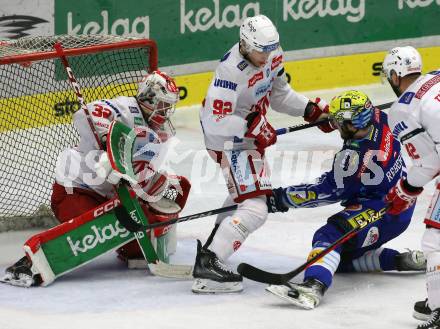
x=74 y=243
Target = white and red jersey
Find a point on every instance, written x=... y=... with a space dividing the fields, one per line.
x=415 y=120
x=75 y=166
x=239 y=88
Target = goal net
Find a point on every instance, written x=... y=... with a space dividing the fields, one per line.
x=36 y=107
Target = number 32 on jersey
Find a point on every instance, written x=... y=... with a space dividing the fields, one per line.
x=101 y=111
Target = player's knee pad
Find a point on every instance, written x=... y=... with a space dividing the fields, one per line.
x=232 y=232
x=431 y=241
x=252 y=213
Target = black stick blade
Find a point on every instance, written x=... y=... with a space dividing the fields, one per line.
x=124 y=218
x=256 y=274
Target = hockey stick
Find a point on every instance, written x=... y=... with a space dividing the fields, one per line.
x=259 y=275
x=132 y=226
x=156 y=266
x=75 y=85
x=282 y=131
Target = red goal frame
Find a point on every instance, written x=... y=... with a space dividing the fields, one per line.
x=139 y=43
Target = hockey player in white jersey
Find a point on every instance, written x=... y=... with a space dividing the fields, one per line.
x=415 y=119
x=86 y=188
x=249 y=79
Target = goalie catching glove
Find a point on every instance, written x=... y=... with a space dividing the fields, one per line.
x=174 y=196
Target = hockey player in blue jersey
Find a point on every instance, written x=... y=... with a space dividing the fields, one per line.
x=367 y=167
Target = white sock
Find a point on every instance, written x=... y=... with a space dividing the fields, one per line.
x=433 y=280
x=368 y=262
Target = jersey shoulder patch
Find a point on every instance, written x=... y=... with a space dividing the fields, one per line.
x=242 y=65
x=406 y=98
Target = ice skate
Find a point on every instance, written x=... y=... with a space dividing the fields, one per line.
x=412 y=260
x=422 y=311
x=20 y=274
x=306 y=295
x=433 y=321
x=212 y=276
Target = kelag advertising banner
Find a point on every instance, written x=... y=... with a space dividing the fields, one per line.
x=189 y=31
x=327 y=43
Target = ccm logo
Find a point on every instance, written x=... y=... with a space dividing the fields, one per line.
x=106 y=207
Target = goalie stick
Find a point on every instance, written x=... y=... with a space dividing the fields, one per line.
x=132 y=226
x=155 y=265
x=259 y=275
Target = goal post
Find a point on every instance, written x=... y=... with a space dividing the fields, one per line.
x=36 y=107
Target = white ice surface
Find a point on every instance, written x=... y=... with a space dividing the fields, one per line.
x=104 y=294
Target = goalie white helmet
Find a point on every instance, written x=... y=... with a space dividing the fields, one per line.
x=157 y=96
x=258 y=33
x=403 y=61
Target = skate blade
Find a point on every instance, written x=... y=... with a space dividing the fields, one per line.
x=421 y=316
x=20 y=282
x=174 y=271
x=137 y=264
x=205 y=286
x=302 y=301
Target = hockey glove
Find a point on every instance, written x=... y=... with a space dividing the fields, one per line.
x=401 y=197
x=318 y=110
x=261 y=130
x=174 y=197
x=275 y=201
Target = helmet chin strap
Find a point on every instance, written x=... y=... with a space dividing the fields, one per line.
x=395 y=88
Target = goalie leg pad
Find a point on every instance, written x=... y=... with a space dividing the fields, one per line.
x=76 y=242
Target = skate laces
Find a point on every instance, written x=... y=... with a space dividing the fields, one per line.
x=414 y=257
x=435 y=317
x=222 y=266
